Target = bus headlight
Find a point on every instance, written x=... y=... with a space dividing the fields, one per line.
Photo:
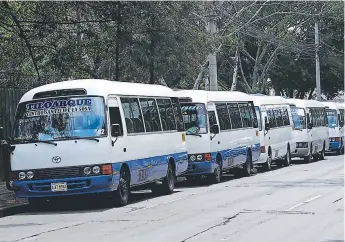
x=96 y=169
x=29 y=175
x=21 y=175
x=192 y=157
x=199 y=157
x=87 y=170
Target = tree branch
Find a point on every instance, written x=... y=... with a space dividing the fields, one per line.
x=23 y=36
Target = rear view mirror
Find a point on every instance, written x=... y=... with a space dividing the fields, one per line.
x=215 y=129
x=115 y=130
x=310 y=126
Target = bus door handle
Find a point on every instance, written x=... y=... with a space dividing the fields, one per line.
x=124 y=149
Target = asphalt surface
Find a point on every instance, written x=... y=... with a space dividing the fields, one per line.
x=303 y=202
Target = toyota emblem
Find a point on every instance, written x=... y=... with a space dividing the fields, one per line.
x=56 y=159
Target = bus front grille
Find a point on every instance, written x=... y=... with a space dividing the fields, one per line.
x=55 y=173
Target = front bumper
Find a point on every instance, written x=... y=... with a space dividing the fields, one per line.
x=334 y=145
x=200 y=168
x=75 y=186
x=300 y=152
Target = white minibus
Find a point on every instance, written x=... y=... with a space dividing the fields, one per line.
x=335 y=116
x=96 y=137
x=222 y=133
x=310 y=129
x=276 y=128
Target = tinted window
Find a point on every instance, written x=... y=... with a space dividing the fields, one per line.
x=167 y=115
x=115 y=118
x=223 y=116
x=246 y=117
x=133 y=117
x=236 y=120
x=178 y=114
x=150 y=113
x=212 y=118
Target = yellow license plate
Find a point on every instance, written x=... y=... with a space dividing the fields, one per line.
x=59 y=187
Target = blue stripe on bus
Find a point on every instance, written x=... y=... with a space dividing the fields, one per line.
x=239 y=156
x=156 y=168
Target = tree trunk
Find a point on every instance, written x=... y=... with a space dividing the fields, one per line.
x=152 y=50
x=234 y=76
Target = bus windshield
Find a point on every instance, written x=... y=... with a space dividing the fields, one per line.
x=299 y=118
x=60 y=118
x=194 y=117
x=332 y=118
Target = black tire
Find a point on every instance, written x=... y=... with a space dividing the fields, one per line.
x=309 y=158
x=322 y=153
x=217 y=174
x=268 y=164
x=168 y=184
x=287 y=160
x=247 y=168
x=121 y=195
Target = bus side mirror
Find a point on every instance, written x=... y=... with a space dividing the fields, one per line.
x=215 y=129
x=115 y=130
x=341 y=123
x=310 y=126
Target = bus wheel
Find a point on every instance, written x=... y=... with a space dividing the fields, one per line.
x=267 y=165
x=121 y=195
x=309 y=158
x=247 y=168
x=168 y=184
x=287 y=160
x=322 y=153
x=217 y=174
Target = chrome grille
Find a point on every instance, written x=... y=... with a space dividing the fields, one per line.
x=61 y=172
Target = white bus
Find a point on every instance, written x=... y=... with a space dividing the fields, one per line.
x=335 y=115
x=222 y=133
x=97 y=136
x=310 y=129
x=275 y=130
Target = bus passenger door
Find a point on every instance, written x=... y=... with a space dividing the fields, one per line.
x=116 y=132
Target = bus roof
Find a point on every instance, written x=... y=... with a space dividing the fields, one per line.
x=203 y=96
x=103 y=88
x=268 y=100
x=303 y=103
x=330 y=105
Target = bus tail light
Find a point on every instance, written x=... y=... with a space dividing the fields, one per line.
x=107 y=170
x=263 y=149
x=207 y=157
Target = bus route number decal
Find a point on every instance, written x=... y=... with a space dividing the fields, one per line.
x=142 y=175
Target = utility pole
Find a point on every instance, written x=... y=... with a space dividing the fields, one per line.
x=212 y=59
x=317 y=59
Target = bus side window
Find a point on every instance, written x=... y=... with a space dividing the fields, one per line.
x=115 y=118
x=178 y=114
x=212 y=118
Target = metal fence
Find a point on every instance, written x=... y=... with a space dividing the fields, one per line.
x=9 y=99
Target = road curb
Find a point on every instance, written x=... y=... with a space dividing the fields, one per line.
x=12 y=210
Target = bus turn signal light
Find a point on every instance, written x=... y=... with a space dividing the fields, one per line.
x=207 y=157
x=107 y=170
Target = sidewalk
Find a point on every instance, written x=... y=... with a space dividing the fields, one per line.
x=8 y=199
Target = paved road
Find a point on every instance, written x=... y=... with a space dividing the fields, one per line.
x=303 y=202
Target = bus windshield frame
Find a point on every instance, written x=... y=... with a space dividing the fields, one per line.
x=199 y=111
x=60 y=118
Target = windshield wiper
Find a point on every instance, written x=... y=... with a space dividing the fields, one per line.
x=77 y=137
x=41 y=141
x=195 y=134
